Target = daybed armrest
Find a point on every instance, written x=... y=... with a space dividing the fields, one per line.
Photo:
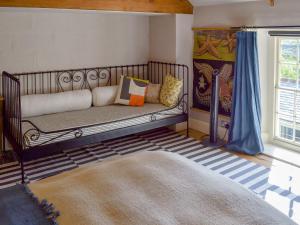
x=12 y=110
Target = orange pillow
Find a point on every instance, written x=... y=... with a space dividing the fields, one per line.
x=131 y=91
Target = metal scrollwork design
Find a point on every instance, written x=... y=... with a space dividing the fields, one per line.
x=92 y=75
x=77 y=77
x=98 y=75
x=31 y=135
x=78 y=133
x=65 y=77
x=182 y=106
x=153 y=117
x=69 y=78
x=103 y=74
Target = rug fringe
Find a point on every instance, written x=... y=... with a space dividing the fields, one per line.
x=48 y=208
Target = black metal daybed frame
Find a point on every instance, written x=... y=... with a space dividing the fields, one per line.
x=16 y=85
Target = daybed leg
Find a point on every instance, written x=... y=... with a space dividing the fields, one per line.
x=187 y=129
x=22 y=172
x=3 y=145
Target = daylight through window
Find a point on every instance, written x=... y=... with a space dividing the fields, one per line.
x=287 y=124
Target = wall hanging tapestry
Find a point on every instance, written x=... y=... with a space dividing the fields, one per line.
x=214 y=52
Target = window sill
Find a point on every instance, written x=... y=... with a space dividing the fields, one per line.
x=282 y=152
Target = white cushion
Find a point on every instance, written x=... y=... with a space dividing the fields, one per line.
x=103 y=96
x=41 y=104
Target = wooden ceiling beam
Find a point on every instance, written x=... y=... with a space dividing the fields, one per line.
x=271 y=2
x=148 y=6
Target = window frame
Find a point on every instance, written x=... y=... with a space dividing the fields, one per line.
x=276 y=90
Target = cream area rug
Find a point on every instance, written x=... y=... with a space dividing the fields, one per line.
x=153 y=188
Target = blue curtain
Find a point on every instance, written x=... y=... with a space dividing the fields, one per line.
x=245 y=129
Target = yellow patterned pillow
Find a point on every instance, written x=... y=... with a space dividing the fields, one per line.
x=170 y=91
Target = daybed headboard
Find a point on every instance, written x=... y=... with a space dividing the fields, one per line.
x=87 y=78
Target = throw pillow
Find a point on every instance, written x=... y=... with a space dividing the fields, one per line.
x=42 y=104
x=170 y=91
x=103 y=96
x=131 y=91
x=152 y=95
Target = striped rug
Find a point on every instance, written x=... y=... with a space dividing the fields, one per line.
x=250 y=175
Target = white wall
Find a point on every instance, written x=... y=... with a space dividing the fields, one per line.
x=171 y=40
x=163 y=38
x=266 y=53
x=32 y=40
x=184 y=46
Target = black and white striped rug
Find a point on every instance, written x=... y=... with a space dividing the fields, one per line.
x=252 y=176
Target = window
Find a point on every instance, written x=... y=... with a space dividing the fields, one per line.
x=287 y=122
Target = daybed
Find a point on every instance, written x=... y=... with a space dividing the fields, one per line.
x=44 y=135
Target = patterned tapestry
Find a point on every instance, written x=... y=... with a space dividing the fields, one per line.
x=214 y=53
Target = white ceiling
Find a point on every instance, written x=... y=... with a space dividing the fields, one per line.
x=216 y=2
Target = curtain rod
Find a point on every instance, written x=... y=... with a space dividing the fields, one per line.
x=211 y=28
x=245 y=27
x=266 y=27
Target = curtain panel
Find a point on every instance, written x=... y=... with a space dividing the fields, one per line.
x=245 y=129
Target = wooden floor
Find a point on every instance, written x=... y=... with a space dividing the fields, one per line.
x=261 y=159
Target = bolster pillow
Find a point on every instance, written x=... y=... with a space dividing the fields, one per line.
x=103 y=96
x=41 y=104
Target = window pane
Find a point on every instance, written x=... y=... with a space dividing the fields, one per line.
x=289 y=51
x=285 y=125
x=297 y=113
x=298 y=81
x=288 y=76
x=297 y=135
x=287 y=119
x=297 y=105
x=286 y=132
x=286 y=102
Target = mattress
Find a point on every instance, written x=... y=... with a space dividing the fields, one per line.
x=90 y=121
x=150 y=188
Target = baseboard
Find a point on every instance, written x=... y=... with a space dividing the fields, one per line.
x=203 y=127
x=199 y=125
x=178 y=127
